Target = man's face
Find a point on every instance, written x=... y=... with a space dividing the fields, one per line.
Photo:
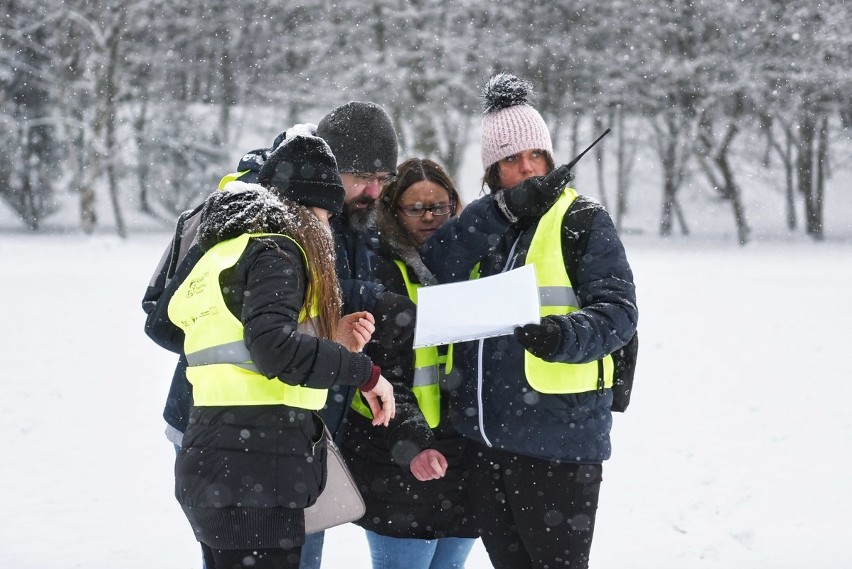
x=362 y=190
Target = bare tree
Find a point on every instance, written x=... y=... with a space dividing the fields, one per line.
x=29 y=142
x=714 y=158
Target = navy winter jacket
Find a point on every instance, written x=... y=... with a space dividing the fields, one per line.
x=514 y=417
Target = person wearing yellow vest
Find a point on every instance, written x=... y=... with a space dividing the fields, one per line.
x=264 y=342
x=362 y=139
x=536 y=405
x=411 y=474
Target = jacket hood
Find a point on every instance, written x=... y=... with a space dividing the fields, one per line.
x=242 y=208
x=253 y=160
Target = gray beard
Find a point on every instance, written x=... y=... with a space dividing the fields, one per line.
x=362 y=219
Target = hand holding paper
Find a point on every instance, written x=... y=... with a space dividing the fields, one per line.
x=541 y=340
x=481 y=308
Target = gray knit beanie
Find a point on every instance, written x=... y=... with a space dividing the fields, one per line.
x=362 y=137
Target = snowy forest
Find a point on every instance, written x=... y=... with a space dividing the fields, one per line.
x=139 y=104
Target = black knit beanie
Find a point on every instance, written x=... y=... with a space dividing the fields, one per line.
x=303 y=170
x=362 y=137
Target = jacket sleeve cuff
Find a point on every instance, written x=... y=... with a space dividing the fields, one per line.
x=375 y=373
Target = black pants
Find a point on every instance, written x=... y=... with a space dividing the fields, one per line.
x=532 y=513
x=251 y=558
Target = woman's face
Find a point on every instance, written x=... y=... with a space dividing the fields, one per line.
x=419 y=206
x=518 y=167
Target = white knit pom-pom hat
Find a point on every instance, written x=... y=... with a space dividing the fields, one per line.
x=510 y=124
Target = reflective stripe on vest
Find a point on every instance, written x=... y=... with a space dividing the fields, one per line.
x=425 y=385
x=231 y=177
x=220 y=368
x=557 y=297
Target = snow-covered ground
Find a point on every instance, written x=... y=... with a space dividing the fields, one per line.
x=734 y=452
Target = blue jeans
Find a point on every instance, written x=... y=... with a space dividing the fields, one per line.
x=312 y=551
x=402 y=553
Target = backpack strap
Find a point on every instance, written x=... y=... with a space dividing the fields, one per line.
x=575 y=234
x=576 y=226
x=184 y=237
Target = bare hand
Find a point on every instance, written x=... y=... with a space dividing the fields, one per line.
x=381 y=402
x=355 y=330
x=429 y=464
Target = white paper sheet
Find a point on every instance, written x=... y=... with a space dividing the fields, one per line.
x=481 y=308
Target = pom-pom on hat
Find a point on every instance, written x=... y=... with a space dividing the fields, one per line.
x=362 y=137
x=510 y=124
x=304 y=170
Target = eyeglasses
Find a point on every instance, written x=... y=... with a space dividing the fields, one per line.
x=418 y=210
x=364 y=179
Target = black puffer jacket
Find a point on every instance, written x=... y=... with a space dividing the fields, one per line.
x=353 y=257
x=399 y=505
x=245 y=473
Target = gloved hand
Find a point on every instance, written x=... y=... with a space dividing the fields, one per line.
x=529 y=200
x=541 y=340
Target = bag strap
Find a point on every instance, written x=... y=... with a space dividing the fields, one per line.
x=576 y=225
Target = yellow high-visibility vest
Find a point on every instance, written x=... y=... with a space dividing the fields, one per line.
x=426 y=373
x=557 y=297
x=231 y=177
x=220 y=368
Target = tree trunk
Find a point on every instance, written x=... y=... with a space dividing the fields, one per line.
x=673 y=150
x=456 y=143
x=229 y=87
x=89 y=169
x=142 y=158
x=716 y=155
x=27 y=210
x=805 y=165
x=732 y=189
x=666 y=219
x=815 y=222
x=681 y=219
x=785 y=154
x=671 y=182
x=111 y=109
x=789 y=183
x=623 y=168
x=88 y=216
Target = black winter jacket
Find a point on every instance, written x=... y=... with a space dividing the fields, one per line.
x=245 y=473
x=354 y=254
x=563 y=427
x=399 y=505
x=182 y=254
x=176 y=263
